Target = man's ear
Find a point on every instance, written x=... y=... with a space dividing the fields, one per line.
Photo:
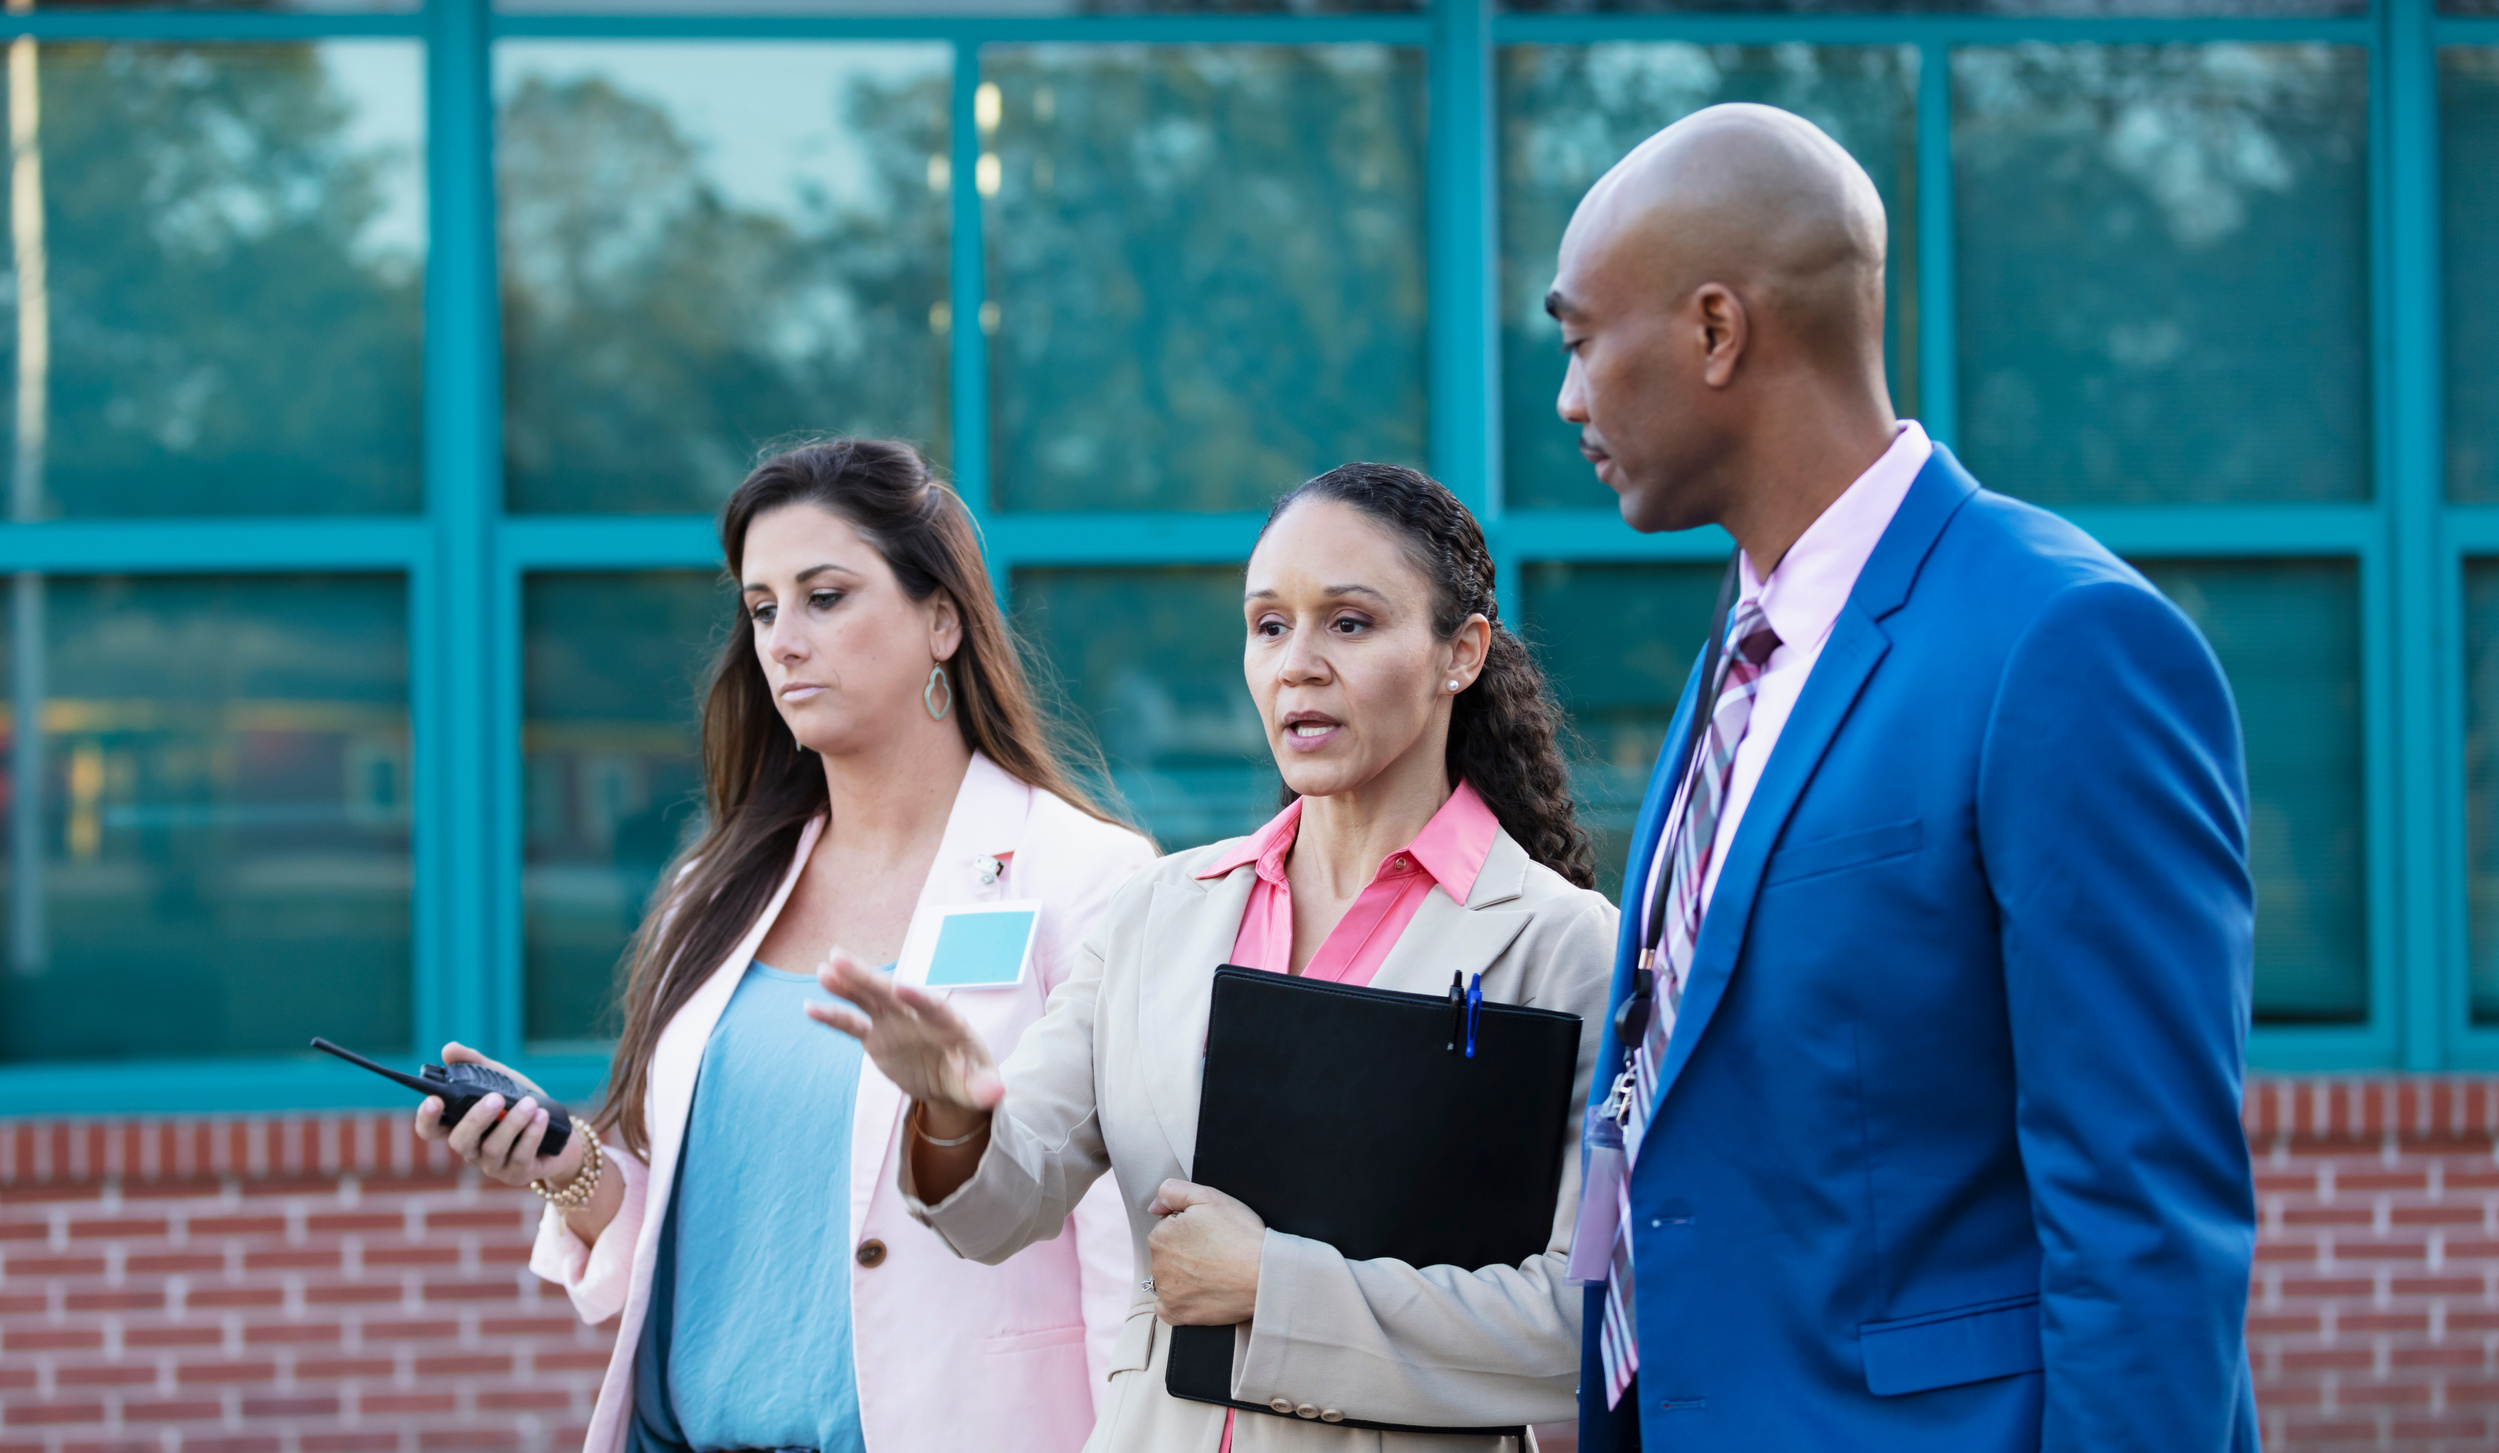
x=1724 y=331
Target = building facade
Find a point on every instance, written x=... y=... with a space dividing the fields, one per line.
x=375 y=369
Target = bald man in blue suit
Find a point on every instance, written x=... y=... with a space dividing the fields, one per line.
x=1918 y=1127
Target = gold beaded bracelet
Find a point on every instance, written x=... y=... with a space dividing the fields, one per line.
x=585 y=1182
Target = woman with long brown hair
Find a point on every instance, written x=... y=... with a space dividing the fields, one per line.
x=879 y=777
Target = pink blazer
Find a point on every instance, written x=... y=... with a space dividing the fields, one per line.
x=950 y=1353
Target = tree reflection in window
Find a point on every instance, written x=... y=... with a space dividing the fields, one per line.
x=710 y=248
x=2161 y=246
x=1207 y=264
x=235 y=243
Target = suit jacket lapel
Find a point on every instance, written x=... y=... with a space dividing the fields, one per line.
x=1191 y=926
x=1445 y=937
x=1856 y=646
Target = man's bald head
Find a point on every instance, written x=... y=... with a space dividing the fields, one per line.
x=1721 y=299
x=1759 y=199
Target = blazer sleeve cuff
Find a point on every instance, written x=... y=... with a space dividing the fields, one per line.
x=1291 y=1272
x=987 y=1218
x=595 y=1274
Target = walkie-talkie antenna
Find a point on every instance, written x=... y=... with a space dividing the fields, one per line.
x=423 y=1087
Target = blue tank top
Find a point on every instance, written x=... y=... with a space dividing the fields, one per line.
x=747 y=1342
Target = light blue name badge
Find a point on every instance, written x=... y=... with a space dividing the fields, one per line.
x=982 y=945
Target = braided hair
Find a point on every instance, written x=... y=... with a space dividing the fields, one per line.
x=1504 y=729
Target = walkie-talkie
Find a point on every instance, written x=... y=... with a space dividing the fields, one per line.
x=462 y=1086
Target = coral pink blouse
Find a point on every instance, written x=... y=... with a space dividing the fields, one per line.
x=1448 y=853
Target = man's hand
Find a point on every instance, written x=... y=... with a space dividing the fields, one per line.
x=1206 y=1255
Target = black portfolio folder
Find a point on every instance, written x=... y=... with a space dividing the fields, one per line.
x=1355 y=1117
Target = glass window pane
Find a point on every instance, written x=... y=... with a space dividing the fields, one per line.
x=1617 y=641
x=1016 y=8
x=2481 y=768
x=707 y=248
x=1568 y=112
x=330 y=6
x=2288 y=634
x=1150 y=662
x=613 y=669
x=216 y=309
x=1207 y=263
x=220 y=832
x=2164 y=271
x=2468 y=155
x=1963 y=7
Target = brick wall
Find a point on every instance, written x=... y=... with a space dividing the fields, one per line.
x=326 y=1284
x=330 y=1284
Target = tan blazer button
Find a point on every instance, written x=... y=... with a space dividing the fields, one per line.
x=1330 y=1415
x=1282 y=1405
x=871 y=1252
x=1306 y=1410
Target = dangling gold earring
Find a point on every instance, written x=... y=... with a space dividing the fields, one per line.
x=928 y=694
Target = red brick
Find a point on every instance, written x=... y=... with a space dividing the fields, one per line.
x=50 y=1415
x=128 y=1301
x=377 y=1257
x=349 y=1294
x=2464 y=1215
x=174 y=1336
x=293 y=1258
x=400 y=1404
x=353 y=1442
x=465 y=1365
x=174 y=1263
x=581 y=1360
x=115 y=1228
x=201 y=1226
x=220 y=1298
x=294 y=1405
x=2329 y=1216
x=470 y=1291
x=321 y=1369
x=352 y=1223
x=2326 y=1359
x=20 y=1264
x=191 y=1374
x=519 y=1217
x=392 y=1329
x=469 y=1440
x=2410 y=1358
x=51 y=1339
x=291 y=1333
x=105 y=1374
x=521 y=1400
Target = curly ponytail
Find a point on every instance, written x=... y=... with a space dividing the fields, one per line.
x=1504 y=729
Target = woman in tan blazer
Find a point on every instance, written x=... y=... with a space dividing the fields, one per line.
x=1430 y=829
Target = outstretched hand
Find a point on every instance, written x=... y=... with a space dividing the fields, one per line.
x=919 y=1043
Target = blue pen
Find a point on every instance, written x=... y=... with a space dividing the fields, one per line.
x=1474 y=1012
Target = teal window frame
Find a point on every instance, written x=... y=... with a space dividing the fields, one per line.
x=464 y=558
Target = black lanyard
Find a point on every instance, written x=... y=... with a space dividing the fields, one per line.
x=1631 y=1019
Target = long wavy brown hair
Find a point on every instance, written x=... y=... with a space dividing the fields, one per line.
x=760 y=788
x=1505 y=730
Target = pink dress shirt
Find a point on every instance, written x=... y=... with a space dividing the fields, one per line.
x=1802 y=599
x=1446 y=854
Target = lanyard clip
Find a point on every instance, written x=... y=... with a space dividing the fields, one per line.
x=1617 y=1106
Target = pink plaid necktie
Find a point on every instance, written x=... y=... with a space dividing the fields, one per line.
x=1701 y=797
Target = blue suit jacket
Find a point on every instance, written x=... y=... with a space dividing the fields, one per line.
x=1948 y=1153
